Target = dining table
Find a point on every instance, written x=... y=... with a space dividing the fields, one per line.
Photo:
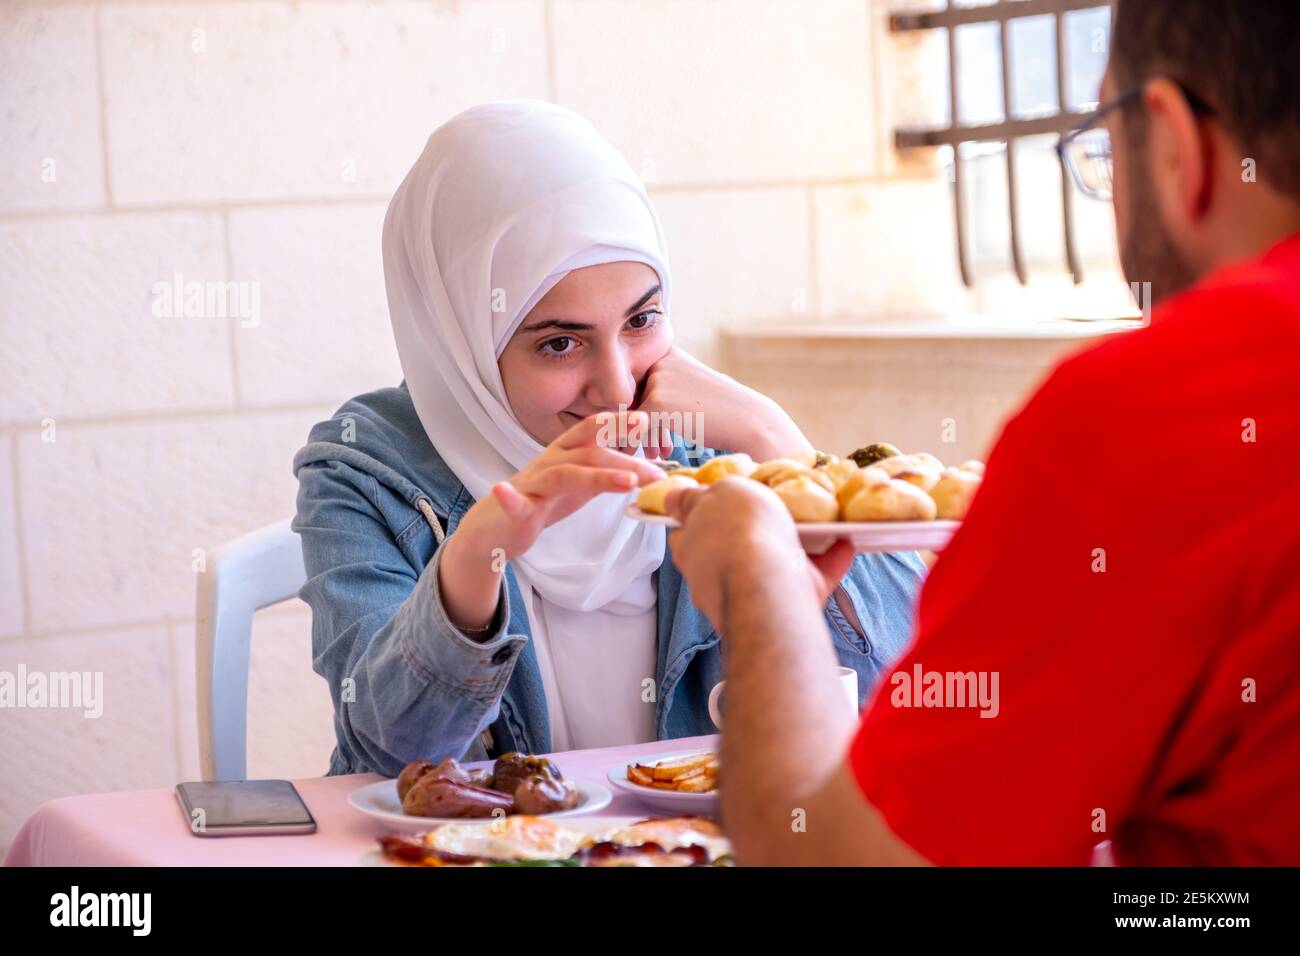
x=149 y=828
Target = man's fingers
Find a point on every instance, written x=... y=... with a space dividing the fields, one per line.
x=680 y=502
x=834 y=563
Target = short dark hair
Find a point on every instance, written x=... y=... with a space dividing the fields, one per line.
x=1240 y=56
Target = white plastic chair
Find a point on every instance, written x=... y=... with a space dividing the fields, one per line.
x=242 y=576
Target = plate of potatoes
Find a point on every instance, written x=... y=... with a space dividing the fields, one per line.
x=877 y=498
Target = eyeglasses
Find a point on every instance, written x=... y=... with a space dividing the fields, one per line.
x=1085 y=150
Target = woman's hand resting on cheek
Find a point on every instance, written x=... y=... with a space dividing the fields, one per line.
x=570 y=471
x=732 y=416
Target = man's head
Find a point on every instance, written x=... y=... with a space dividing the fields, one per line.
x=1198 y=187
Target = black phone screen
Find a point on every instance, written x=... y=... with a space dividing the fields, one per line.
x=244 y=803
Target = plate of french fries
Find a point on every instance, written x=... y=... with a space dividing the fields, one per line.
x=877 y=498
x=684 y=782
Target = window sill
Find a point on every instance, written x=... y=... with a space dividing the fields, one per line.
x=934 y=327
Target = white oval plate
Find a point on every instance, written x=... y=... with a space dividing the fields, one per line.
x=666 y=801
x=379 y=800
x=865 y=536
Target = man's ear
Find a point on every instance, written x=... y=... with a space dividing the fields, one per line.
x=1180 y=156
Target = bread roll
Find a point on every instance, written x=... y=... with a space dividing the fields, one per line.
x=651 y=497
x=974 y=466
x=812 y=474
x=715 y=469
x=807 y=501
x=925 y=480
x=672 y=468
x=894 y=500
x=953 y=494
x=839 y=472
x=767 y=469
x=927 y=457
x=892 y=466
x=924 y=472
x=814 y=459
x=868 y=455
x=857 y=481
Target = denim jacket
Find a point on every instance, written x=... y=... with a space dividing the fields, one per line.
x=375 y=504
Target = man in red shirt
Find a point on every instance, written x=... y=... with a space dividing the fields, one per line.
x=1120 y=607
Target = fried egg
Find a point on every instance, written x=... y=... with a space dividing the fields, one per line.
x=517 y=837
x=675 y=832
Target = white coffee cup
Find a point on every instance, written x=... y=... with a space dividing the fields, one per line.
x=848 y=684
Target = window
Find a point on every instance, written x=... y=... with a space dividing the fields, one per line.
x=1019 y=73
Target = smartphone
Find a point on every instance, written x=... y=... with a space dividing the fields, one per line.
x=243 y=808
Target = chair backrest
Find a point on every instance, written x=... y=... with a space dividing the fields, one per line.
x=241 y=577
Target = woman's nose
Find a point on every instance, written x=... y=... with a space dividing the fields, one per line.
x=613 y=382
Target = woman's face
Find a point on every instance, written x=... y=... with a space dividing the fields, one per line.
x=585 y=347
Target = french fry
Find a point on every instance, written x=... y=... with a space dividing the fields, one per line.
x=696 y=774
x=671 y=770
x=693 y=773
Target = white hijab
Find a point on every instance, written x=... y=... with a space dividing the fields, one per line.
x=505 y=199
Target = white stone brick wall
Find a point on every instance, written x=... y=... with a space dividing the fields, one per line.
x=258 y=141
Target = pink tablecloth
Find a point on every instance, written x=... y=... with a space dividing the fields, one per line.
x=148 y=827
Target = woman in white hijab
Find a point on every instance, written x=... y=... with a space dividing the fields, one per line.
x=528 y=287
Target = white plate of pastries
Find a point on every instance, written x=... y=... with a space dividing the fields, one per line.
x=877 y=498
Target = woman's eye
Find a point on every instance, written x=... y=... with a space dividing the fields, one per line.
x=644 y=320
x=560 y=345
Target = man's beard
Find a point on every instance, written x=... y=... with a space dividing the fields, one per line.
x=1147 y=254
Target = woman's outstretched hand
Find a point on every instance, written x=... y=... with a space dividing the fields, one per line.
x=574 y=468
x=717 y=411
x=577 y=466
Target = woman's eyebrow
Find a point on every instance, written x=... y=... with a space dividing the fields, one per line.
x=566 y=326
x=561 y=324
x=653 y=291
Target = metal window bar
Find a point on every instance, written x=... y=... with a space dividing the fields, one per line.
x=1009 y=131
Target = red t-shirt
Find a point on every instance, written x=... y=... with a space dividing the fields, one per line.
x=1130 y=569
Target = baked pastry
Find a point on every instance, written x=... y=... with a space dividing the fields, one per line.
x=952 y=495
x=812 y=474
x=671 y=467
x=927 y=457
x=894 y=500
x=814 y=459
x=922 y=470
x=839 y=472
x=768 y=469
x=651 y=498
x=973 y=466
x=857 y=481
x=868 y=455
x=715 y=469
x=807 y=501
